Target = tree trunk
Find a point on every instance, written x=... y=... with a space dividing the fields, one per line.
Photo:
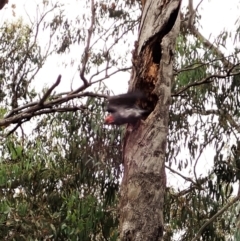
x=143 y=185
x=3 y=3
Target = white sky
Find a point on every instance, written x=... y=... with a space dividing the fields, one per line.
x=216 y=16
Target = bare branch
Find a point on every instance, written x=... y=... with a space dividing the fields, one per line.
x=198 y=5
x=26 y=112
x=16 y=127
x=196 y=185
x=192 y=13
x=87 y=48
x=99 y=72
x=16 y=110
x=179 y=174
x=46 y=111
x=49 y=91
x=109 y=75
x=55 y=100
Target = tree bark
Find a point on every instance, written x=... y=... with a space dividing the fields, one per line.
x=144 y=180
x=3 y=3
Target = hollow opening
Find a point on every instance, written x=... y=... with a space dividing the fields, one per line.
x=156 y=52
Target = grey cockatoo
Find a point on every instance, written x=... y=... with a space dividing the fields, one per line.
x=123 y=109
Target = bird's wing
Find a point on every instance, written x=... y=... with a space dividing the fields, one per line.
x=124 y=101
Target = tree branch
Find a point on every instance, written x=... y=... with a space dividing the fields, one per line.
x=207 y=80
x=197 y=65
x=49 y=91
x=24 y=117
x=214 y=217
x=109 y=75
x=206 y=42
x=2 y=3
x=87 y=48
x=179 y=174
x=26 y=112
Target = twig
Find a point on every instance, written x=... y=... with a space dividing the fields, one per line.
x=16 y=127
x=179 y=174
x=196 y=185
x=198 y=5
x=109 y=75
x=49 y=91
x=83 y=87
x=87 y=48
x=99 y=72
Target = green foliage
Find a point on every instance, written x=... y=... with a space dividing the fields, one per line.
x=17 y=52
x=60 y=180
x=204 y=139
x=62 y=184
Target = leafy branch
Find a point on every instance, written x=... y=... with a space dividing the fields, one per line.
x=214 y=217
x=206 y=80
x=188 y=23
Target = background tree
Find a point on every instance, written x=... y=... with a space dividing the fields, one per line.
x=204 y=121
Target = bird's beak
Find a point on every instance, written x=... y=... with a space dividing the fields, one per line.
x=109 y=120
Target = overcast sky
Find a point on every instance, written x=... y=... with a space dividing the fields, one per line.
x=216 y=15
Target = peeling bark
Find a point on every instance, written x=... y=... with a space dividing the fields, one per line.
x=144 y=181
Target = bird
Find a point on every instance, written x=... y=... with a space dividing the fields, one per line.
x=123 y=109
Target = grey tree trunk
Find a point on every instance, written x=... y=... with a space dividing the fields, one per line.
x=144 y=181
x=2 y=3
